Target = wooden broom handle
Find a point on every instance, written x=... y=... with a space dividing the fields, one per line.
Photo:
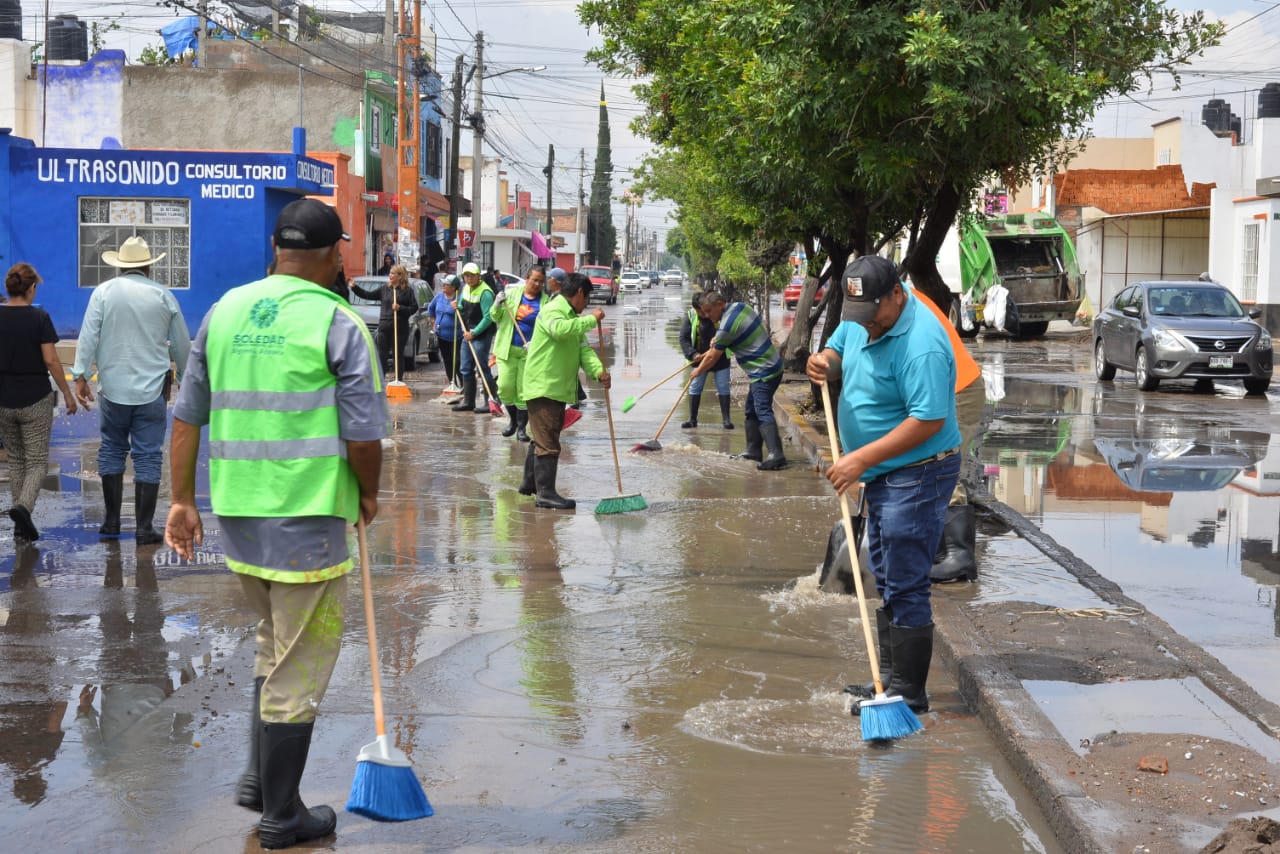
x=873 y=654
x=663 y=380
x=674 y=407
x=608 y=410
x=367 y=580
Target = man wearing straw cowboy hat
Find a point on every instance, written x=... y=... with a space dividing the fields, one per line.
x=897 y=420
x=283 y=373
x=132 y=329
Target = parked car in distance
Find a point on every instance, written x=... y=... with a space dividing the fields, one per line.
x=630 y=281
x=653 y=277
x=421 y=337
x=1181 y=330
x=606 y=287
x=673 y=277
x=791 y=293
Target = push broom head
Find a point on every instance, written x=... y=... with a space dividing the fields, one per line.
x=398 y=391
x=629 y=404
x=571 y=417
x=621 y=504
x=385 y=787
x=494 y=408
x=884 y=718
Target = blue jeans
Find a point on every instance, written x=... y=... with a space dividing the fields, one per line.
x=482 y=347
x=138 y=427
x=760 y=400
x=906 y=510
x=700 y=382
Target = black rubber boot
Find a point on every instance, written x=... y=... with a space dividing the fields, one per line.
x=286 y=820
x=482 y=402
x=144 y=506
x=912 y=650
x=754 y=441
x=467 y=402
x=522 y=425
x=776 y=459
x=695 y=401
x=912 y=653
x=23 y=527
x=249 y=789
x=544 y=473
x=867 y=690
x=724 y=412
x=112 y=496
x=510 y=429
x=957 y=553
x=528 y=486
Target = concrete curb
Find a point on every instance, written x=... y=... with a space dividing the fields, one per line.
x=1026 y=737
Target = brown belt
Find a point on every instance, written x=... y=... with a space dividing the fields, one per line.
x=941 y=455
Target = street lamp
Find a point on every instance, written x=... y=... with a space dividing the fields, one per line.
x=477 y=141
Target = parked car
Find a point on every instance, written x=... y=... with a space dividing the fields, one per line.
x=421 y=338
x=654 y=277
x=791 y=293
x=606 y=286
x=630 y=281
x=1181 y=330
x=673 y=277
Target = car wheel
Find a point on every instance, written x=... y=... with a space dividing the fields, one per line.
x=1253 y=385
x=1142 y=372
x=1103 y=369
x=1033 y=329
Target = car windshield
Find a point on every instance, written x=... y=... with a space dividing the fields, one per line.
x=1194 y=302
x=595 y=271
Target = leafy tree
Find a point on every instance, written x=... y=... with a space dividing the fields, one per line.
x=844 y=123
x=155 y=54
x=602 y=236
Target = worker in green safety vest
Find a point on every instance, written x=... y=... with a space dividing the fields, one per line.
x=283 y=372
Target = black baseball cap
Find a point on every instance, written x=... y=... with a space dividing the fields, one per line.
x=308 y=224
x=867 y=279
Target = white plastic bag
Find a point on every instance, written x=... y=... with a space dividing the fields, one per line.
x=966 y=312
x=994 y=312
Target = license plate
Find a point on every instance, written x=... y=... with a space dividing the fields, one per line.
x=1220 y=361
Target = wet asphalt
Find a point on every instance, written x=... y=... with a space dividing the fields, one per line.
x=664 y=680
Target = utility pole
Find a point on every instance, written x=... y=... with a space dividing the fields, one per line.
x=477 y=149
x=388 y=32
x=407 y=177
x=551 y=165
x=203 y=41
x=577 y=220
x=455 y=193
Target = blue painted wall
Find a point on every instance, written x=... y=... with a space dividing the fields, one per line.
x=234 y=199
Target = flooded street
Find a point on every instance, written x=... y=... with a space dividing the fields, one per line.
x=665 y=680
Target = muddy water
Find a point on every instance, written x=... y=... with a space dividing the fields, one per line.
x=1174 y=495
x=660 y=681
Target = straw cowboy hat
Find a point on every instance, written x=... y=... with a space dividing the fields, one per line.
x=134 y=252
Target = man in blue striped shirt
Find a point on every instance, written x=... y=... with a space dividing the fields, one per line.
x=741 y=331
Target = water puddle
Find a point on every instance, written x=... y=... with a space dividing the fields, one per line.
x=1082 y=713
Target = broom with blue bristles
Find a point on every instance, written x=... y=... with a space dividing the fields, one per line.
x=385 y=787
x=883 y=717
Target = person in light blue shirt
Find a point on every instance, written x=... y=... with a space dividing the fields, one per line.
x=899 y=437
x=131 y=331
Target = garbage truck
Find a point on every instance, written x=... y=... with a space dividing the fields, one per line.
x=1012 y=272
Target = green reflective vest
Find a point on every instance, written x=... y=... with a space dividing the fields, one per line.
x=274 y=448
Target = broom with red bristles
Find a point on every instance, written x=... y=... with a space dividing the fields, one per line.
x=495 y=408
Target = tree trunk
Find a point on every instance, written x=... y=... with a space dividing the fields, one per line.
x=922 y=258
x=799 y=344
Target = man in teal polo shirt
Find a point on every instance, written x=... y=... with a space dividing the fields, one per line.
x=898 y=431
x=283 y=372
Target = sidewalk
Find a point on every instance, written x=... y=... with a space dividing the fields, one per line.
x=1148 y=771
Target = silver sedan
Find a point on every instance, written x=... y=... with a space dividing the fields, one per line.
x=1181 y=330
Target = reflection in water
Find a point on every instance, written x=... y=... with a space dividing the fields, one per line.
x=31 y=720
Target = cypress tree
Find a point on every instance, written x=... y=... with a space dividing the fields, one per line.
x=602 y=237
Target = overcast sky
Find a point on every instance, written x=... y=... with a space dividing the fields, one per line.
x=525 y=112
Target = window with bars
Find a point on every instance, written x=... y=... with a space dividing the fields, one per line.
x=431 y=145
x=1249 y=263
x=164 y=223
